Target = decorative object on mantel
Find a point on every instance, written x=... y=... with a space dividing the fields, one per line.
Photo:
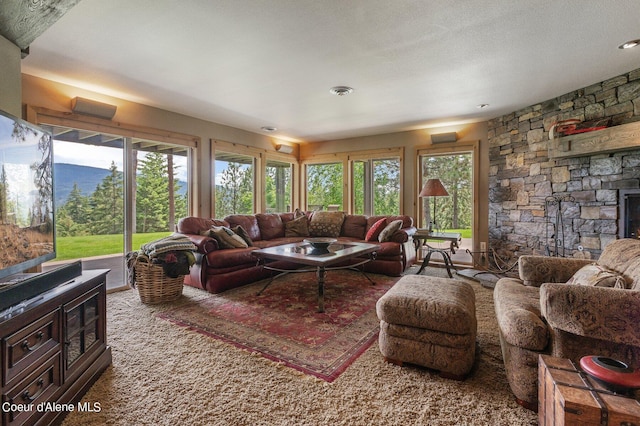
x=557 y=232
x=575 y=126
x=610 y=139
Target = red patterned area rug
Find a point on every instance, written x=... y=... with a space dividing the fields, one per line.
x=283 y=323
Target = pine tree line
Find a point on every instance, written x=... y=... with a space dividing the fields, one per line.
x=102 y=212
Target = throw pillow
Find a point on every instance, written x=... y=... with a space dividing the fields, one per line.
x=375 y=230
x=297 y=227
x=242 y=233
x=598 y=276
x=389 y=230
x=227 y=238
x=326 y=224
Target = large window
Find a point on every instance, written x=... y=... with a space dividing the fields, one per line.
x=278 y=186
x=454 y=212
x=376 y=186
x=234 y=184
x=324 y=186
x=161 y=196
x=114 y=191
x=90 y=196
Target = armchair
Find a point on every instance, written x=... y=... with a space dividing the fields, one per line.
x=541 y=313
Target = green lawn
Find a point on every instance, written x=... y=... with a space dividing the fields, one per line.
x=466 y=233
x=99 y=245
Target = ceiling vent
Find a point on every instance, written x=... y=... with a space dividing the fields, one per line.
x=341 y=90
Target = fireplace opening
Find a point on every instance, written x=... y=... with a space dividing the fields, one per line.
x=629 y=222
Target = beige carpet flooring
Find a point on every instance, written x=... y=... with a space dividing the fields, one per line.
x=164 y=375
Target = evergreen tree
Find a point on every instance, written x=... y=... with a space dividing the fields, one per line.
x=454 y=211
x=156 y=204
x=152 y=201
x=235 y=194
x=76 y=205
x=107 y=204
x=73 y=215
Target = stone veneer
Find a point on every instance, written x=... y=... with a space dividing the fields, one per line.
x=522 y=176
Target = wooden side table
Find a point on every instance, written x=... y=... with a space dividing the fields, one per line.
x=568 y=396
x=420 y=240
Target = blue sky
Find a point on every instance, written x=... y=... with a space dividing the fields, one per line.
x=101 y=157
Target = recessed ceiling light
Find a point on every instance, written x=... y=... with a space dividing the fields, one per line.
x=482 y=106
x=269 y=128
x=629 y=44
x=341 y=90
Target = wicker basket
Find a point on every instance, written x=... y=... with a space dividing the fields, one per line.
x=152 y=283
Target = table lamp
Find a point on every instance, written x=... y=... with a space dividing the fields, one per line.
x=433 y=188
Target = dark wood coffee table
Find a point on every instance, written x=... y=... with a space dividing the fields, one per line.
x=304 y=254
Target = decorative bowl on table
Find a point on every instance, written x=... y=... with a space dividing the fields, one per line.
x=615 y=375
x=321 y=243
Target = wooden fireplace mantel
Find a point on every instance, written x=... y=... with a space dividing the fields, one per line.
x=611 y=139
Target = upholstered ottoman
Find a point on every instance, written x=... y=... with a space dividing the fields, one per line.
x=430 y=322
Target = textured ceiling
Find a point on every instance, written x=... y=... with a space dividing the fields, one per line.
x=412 y=64
x=23 y=21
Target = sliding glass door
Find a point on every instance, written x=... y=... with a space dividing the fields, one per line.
x=106 y=205
x=454 y=212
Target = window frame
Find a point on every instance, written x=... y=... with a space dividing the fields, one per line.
x=41 y=115
x=371 y=156
x=347 y=159
x=459 y=148
x=260 y=158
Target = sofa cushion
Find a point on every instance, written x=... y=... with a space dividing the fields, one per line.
x=271 y=225
x=326 y=224
x=389 y=230
x=195 y=225
x=248 y=222
x=375 y=230
x=232 y=257
x=623 y=256
x=226 y=237
x=407 y=221
x=354 y=226
x=389 y=249
x=597 y=275
x=242 y=233
x=298 y=227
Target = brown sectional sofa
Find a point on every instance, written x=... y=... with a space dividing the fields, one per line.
x=541 y=313
x=217 y=269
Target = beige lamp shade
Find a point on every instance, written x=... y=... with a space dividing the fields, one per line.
x=433 y=188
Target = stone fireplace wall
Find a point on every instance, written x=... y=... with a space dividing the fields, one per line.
x=522 y=177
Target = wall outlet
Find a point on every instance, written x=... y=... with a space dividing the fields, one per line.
x=483 y=246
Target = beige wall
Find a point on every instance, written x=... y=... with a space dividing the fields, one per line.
x=56 y=96
x=10 y=87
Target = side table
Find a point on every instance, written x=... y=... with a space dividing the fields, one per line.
x=568 y=396
x=420 y=240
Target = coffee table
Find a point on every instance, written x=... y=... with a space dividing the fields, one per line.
x=304 y=254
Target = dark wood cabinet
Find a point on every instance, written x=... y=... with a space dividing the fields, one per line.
x=52 y=350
